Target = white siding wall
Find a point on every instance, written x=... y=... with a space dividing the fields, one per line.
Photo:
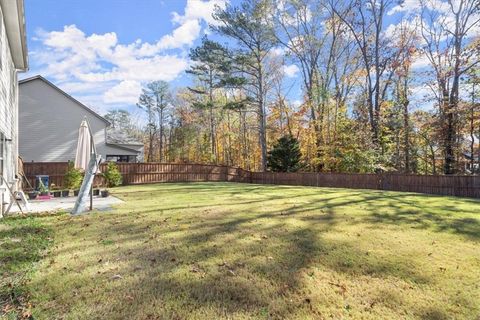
x=8 y=104
x=49 y=123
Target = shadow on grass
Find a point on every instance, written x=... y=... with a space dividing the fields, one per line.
x=23 y=241
x=250 y=261
x=200 y=272
x=396 y=209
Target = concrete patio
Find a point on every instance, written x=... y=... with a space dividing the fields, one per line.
x=67 y=204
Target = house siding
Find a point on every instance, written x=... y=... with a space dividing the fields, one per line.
x=8 y=105
x=110 y=149
x=49 y=122
x=137 y=147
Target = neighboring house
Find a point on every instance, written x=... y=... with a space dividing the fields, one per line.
x=120 y=138
x=49 y=120
x=469 y=168
x=469 y=165
x=13 y=58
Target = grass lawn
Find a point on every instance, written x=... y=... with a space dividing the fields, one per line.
x=242 y=251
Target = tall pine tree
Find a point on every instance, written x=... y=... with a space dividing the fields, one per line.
x=285 y=155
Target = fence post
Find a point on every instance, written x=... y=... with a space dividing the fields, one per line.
x=466 y=186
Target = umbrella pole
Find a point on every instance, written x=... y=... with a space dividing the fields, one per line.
x=92 y=154
x=90 y=171
x=91 y=198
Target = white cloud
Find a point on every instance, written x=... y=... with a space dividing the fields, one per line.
x=440 y=9
x=158 y=67
x=297 y=103
x=183 y=35
x=78 y=87
x=100 y=69
x=414 y=6
x=77 y=60
x=283 y=11
x=278 y=51
x=421 y=97
x=196 y=11
x=421 y=62
x=406 y=6
x=125 y=91
x=291 y=70
x=199 y=10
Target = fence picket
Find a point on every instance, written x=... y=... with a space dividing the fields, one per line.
x=142 y=173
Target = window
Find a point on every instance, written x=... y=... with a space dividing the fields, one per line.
x=121 y=158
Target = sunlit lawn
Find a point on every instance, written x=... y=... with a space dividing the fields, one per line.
x=242 y=251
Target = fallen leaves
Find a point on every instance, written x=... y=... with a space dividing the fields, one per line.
x=8 y=308
x=229 y=269
x=116 y=277
x=195 y=269
x=199 y=270
x=223 y=264
x=137 y=268
x=342 y=287
x=23 y=310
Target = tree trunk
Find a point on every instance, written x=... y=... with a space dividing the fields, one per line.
x=151 y=133
x=229 y=150
x=434 y=168
x=449 y=166
x=397 y=150
x=373 y=122
x=160 y=145
x=472 y=132
x=406 y=126
x=170 y=154
x=212 y=122
x=315 y=121
x=453 y=102
x=150 y=146
x=262 y=119
x=478 y=155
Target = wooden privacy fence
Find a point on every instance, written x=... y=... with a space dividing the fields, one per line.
x=461 y=186
x=142 y=173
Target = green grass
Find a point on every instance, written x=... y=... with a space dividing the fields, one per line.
x=23 y=241
x=242 y=251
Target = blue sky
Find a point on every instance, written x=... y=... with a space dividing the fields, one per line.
x=103 y=51
x=143 y=19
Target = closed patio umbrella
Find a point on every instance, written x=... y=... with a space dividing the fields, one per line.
x=84 y=146
x=87 y=160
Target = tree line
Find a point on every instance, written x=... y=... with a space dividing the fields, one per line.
x=358 y=73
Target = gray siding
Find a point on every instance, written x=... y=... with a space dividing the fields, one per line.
x=49 y=122
x=137 y=147
x=8 y=105
x=110 y=149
